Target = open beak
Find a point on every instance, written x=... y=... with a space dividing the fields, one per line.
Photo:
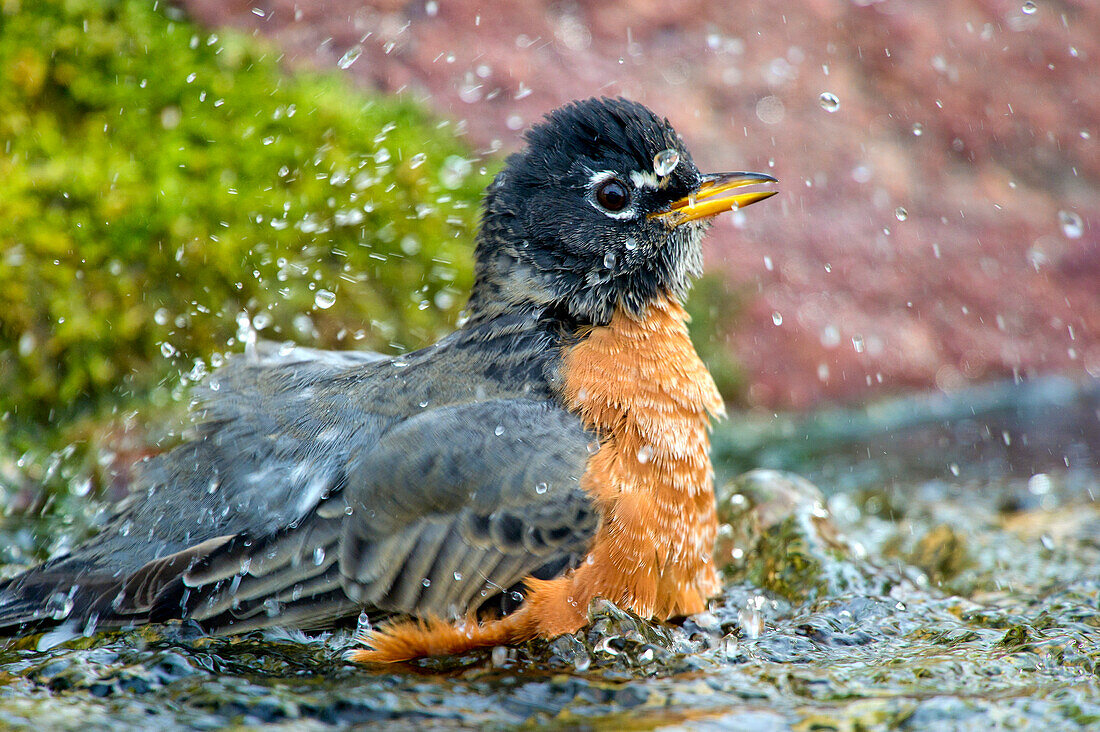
x=717 y=193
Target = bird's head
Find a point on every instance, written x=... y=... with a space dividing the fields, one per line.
x=603 y=209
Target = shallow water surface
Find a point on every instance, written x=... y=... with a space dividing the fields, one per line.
x=938 y=575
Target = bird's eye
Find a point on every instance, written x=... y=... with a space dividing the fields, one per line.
x=612 y=195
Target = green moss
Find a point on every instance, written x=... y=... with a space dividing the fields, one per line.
x=158 y=181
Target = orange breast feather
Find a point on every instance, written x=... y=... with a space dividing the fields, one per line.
x=641 y=387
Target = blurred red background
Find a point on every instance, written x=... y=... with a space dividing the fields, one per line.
x=939 y=220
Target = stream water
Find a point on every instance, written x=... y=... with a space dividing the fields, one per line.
x=937 y=567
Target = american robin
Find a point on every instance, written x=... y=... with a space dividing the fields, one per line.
x=483 y=490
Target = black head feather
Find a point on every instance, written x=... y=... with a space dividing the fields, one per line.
x=545 y=238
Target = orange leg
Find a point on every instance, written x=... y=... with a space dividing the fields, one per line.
x=545 y=613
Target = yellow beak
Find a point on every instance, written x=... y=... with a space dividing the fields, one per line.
x=713 y=196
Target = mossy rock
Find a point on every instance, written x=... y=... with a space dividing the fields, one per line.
x=165 y=191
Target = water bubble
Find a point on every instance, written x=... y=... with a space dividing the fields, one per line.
x=1030 y=8
x=167 y=349
x=324 y=299
x=829 y=102
x=900 y=213
x=665 y=162
x=541 y=488
x=770 y=110
x=1072 y=225
x=350 y=56
x=777 y=317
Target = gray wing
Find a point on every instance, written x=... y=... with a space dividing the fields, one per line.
x=447 y=511
x=277 y=426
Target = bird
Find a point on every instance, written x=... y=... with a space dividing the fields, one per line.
x=481 y=491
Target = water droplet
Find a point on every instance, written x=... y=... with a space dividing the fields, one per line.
x=167 y=349
x=318 y=556
x=81 y=486
x=593 y=447
x=59 y=606
x=350 y=56
x=324 y=299
x=1039 y=484
x=645 y=454
x=857 y=343
x=900 y=213
x=417 y=160
x=1072 y=225
x=609 y=260
x=541 y=488
x=1030 y=8
x=918 y=129
x=425 y=582
x=777 y=317
x=829 y=101
x=1047 y=541
x=362 y=625
x=458 y=576
x=499 y=430
x=631 y=244
x=665 y=162
x=90 y=625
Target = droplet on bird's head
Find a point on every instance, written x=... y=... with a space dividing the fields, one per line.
x=829 y=102
x=665 y=162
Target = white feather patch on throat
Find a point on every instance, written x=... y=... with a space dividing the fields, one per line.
x=645 y=179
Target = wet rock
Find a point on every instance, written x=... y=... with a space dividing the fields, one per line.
x=777 y=534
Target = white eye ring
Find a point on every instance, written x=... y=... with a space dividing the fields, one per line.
x=596 y=182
